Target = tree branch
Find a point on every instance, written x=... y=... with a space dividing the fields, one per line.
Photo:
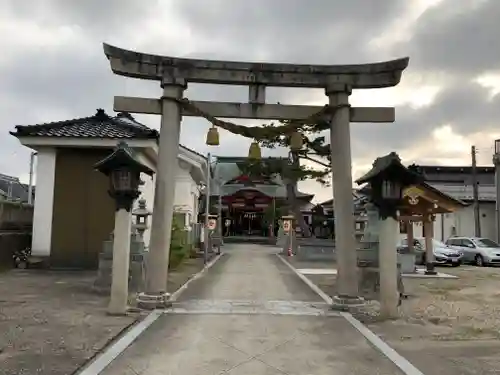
x=316 y=161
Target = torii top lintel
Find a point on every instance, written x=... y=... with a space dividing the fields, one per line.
x=154 y=67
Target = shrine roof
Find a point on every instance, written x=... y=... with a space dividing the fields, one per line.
x=100 y=125
x=227 y=169
x=386 y=164
x=424 y=197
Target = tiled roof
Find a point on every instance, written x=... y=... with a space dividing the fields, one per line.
x=464 y=193
x=227 y=168
x=100 y=125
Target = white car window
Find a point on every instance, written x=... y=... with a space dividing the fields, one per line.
x=467 y=243
x=437 y=243
x=485 y=242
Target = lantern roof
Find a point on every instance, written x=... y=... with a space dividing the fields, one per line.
x=390 y=166
x=122 y=156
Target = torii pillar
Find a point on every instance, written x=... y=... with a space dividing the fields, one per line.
x=345 y=240
x=337 y=80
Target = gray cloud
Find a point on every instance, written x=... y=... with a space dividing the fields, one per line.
x=466 y=107
x=94 y=17
x=457 y=36
x=73 y=79
x=319 y=31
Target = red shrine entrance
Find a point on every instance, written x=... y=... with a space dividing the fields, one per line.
x=245 y=210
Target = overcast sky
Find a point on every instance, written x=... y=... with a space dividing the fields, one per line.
x=53 y=67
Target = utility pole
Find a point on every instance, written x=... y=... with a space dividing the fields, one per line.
x=30 y=186
x=206 y=237
x=475 y=193
x=219 y=210
x=496 y=162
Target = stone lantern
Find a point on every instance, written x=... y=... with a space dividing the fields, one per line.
x=387 y=179
x=287 y=230
x=141 y=214
x=124 y=171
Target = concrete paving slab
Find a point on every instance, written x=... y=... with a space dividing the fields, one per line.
x=238 y=320
x=420 y=274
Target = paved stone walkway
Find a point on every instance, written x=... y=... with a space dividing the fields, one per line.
x=250 y=314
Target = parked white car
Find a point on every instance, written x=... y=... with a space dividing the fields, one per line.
x=480 y=251
x=443 y=254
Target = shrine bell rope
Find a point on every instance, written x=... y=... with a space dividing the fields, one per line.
x=257 y=132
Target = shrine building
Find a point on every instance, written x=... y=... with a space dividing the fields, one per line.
x=251 y=203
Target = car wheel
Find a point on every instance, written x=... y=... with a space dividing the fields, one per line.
x=479 y=261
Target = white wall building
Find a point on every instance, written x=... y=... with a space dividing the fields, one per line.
x=189 y=176
x=53 y=141
x=457 y=182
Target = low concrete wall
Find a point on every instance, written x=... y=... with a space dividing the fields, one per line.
x=15 y=216
x=16 y=221
x=11 y=242
x=315 y=249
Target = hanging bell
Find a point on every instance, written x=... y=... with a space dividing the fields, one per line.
x=254 y=151
x=296 y=141
x=212 y=137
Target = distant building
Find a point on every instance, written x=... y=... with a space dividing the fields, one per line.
x=73 y=212
x=457 y=182
x=12 y=188
x=359 y=198
x=245 y=199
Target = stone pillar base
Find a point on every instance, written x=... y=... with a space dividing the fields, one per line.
x=102 y=283
x=429 y=269
x=347 y=303
x=113 y=313
x=151 y=301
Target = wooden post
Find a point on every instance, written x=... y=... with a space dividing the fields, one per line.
x=410 y=236
x=429 y=253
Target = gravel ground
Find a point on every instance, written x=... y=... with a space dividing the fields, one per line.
x=446 y=326
x=51 y=322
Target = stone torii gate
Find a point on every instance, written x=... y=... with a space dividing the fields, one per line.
x=175 y=73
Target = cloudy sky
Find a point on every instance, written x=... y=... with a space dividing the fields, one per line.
x=53 y=67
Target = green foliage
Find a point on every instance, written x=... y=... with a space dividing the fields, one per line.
x=313 y=143
x=273 y=213
x=179 y=245
x=271 y=167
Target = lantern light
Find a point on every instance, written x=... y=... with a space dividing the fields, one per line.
x=124 y=173
x=391 y=190
x=387 y=179
x=212 y=137
x=254 y=151
x=296 y=141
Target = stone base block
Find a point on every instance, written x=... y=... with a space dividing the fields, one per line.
x=347 y=303
x=369 y=283
x=151 y=301
x=430 y=269
x=102 y=283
